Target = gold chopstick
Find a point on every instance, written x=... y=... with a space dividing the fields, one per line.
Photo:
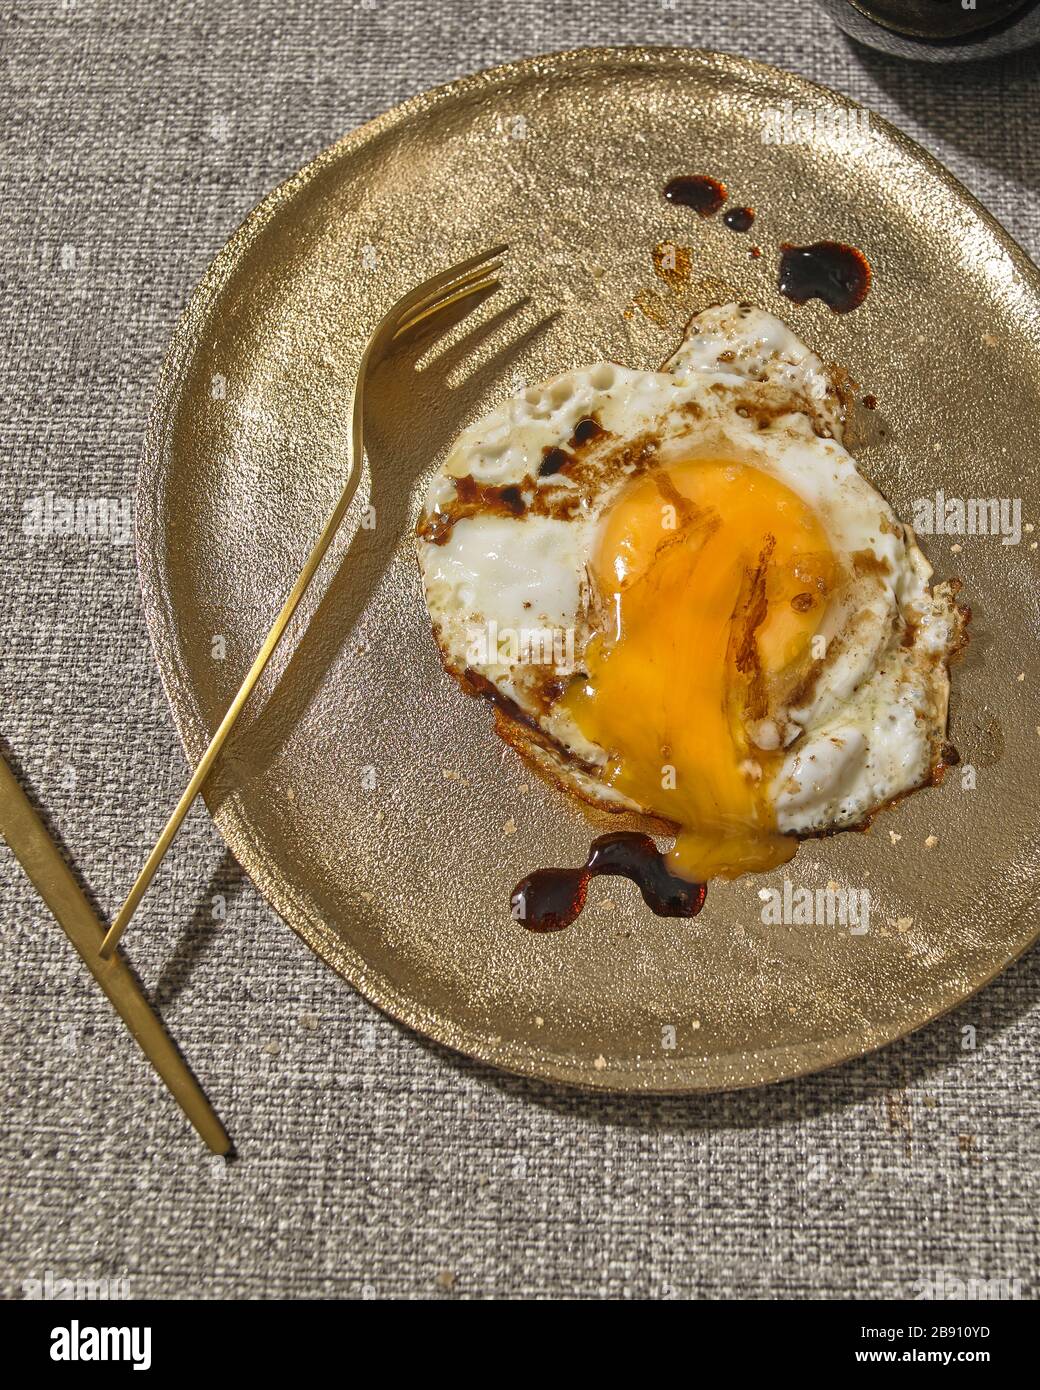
x=27 y=836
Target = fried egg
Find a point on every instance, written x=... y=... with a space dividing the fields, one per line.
x=686 y=602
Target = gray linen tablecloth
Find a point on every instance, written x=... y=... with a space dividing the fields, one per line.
x=135 y=137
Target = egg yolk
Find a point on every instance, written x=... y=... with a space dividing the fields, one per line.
x=713 y=577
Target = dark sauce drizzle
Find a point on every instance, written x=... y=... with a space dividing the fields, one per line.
x=739 y=219
x=587 y=429
x=705 y=195
x=553 y=459
x=490 y=496
x=827 y=270
x=550 y=899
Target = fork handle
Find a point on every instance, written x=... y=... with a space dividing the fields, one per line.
x=216 y=743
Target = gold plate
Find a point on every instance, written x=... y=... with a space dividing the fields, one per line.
x=367 y=798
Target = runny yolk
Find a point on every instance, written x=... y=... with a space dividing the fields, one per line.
x=713 y=578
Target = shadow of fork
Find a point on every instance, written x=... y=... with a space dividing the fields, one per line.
x=404 y=389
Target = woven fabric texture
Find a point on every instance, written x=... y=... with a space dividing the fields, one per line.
x=135 y=137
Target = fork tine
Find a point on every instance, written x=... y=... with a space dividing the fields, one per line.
x=436 y=284
x=442 y=303
x=429 y=300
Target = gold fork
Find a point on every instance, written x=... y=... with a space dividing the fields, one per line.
x=460 y=282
